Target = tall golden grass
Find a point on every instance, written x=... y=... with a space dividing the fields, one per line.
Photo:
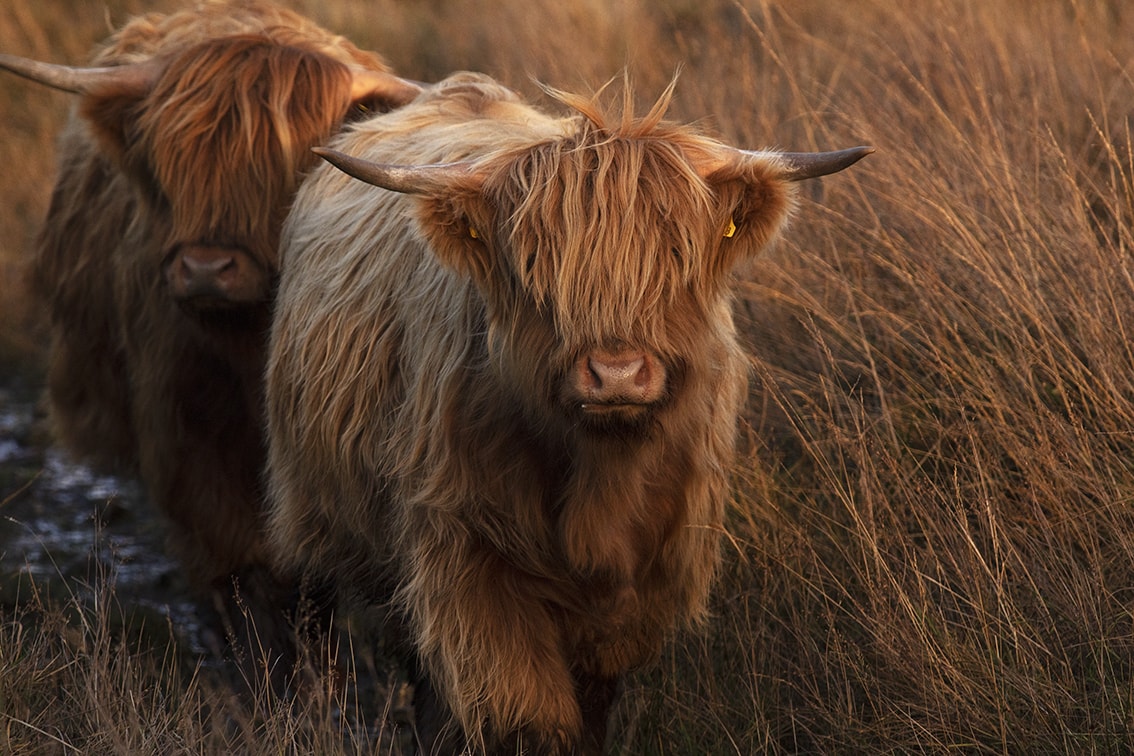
x=932 y=544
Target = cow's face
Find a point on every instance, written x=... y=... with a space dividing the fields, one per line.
x=604 y=260
x=215 y=143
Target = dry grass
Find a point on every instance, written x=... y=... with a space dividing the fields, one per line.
x=78 y=675
x=932 y=548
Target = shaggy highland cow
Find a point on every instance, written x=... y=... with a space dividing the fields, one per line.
x=504 y=394
x=158 y=257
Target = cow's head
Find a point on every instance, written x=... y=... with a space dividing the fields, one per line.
x=215 y=137
x=604 y=257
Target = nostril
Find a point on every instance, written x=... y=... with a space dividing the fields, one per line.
x=591 y=379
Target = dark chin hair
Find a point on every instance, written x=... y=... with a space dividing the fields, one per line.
x=229 y=317
x=618 y=427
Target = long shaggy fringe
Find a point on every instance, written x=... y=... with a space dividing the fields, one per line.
x=222 y=158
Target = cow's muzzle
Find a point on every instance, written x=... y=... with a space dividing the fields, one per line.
x=210 y=276
x=622 y=383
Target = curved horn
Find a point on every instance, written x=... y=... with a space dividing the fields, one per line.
x=805 y=165
x=394 y=90
x=133 y=77
x=408 y=179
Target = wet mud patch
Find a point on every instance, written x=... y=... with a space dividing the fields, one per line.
x=67 y=532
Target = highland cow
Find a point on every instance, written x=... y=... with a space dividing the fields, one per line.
x=504 y=394
x=158 y=258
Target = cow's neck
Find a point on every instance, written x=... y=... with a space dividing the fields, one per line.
x=618 y=505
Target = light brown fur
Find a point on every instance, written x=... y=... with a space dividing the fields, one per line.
x=213 y=152
x=420 y=442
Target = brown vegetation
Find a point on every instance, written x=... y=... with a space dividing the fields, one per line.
x=933 y=546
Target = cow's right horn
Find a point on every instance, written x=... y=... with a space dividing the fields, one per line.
x=408 y=179
x=131 y=78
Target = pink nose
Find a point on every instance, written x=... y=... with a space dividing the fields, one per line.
x=624 y=377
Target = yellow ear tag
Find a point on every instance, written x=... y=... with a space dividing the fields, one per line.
x=730 y=230
x=473 y=233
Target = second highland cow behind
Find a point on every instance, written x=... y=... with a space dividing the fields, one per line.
x=157 y=261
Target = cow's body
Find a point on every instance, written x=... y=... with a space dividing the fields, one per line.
x=510 y=401
x=158 y=256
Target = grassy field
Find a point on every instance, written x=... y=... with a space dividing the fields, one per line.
x=932 y=543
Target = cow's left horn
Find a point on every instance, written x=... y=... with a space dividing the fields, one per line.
x=133 y=77
x=806 y=165
x=409 y=179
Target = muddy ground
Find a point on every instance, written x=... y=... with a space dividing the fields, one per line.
x=65 y=529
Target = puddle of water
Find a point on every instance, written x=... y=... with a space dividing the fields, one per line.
x=66 y=528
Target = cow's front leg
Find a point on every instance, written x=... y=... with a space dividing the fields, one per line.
x=493 y=647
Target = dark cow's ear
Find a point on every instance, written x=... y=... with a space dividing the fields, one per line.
x=379 y=91
x=113 y=117
x=110 y=95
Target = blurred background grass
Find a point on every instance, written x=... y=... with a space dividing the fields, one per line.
x=932 y=544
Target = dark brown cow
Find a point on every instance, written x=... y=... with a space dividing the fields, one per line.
x=158 y=258
x=505 y=393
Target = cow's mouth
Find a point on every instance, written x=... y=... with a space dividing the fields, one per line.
x=616 y=409
x=616 y=418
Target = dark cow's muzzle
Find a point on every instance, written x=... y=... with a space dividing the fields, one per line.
x=210 y=276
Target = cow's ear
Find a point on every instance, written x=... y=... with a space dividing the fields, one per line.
x=459 y=229
x=110 y=95
x=452 y=212
x=113 y=116
x=760 y=186
x=755 y=204
x=380 y=91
